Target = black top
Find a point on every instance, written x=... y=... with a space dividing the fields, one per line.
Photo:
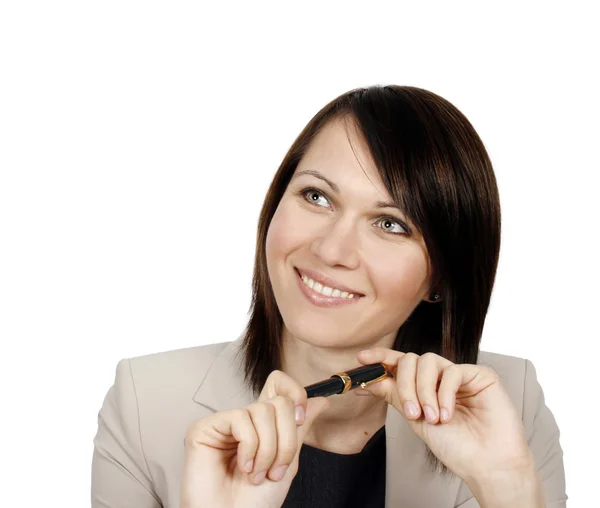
x=333 y=480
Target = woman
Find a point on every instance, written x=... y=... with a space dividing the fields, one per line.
x=378 y=241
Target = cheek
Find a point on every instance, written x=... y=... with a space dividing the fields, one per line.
x=288 y=231
x=399 y=275
x=280 y=241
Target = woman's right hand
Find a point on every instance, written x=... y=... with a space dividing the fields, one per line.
x=248 y=457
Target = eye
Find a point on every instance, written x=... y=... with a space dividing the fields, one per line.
x=388 y=224
x=312 y=196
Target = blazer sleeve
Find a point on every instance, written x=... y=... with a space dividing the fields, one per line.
x=120 y=475
x=543 y=437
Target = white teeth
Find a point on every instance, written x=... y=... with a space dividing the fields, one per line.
x=325 y=290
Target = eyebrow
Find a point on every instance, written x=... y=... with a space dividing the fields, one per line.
x=336 y=189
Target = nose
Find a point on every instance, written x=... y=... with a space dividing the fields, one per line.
x=337 y=244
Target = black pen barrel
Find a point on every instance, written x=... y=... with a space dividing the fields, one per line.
x=335 y=384
x=331 y=386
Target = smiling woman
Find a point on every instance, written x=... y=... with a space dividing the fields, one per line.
x=377 y=243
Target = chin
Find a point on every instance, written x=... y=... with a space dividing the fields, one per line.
x=333 y=338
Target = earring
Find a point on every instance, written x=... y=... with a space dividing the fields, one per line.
x=434 y=296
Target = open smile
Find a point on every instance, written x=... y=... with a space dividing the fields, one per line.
x=325 y=296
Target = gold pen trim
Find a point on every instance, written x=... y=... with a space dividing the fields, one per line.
x=346 y=380
x=383 y=376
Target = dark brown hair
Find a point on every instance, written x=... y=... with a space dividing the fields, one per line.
x=436 y=168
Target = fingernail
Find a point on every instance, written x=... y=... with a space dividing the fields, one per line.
x=429 y=413
x=410 y=409
x=364 y=352
x=260 y=477
x=249 y=465
x=300 y=415
x=278 y=473
x=444 y=414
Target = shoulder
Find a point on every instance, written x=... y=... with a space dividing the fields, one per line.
x=512 y=370
x=170 y=377
x=145 y=415
x=162 y=387
x=519 y=379
x=178 y=363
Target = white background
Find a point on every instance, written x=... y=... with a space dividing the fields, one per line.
x=138 y=139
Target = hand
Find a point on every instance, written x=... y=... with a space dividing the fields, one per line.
x=228 y=453
x=482 y=435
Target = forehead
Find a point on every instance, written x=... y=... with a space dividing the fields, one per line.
x=340 y=152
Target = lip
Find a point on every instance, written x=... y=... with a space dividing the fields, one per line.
x=327 y=281
x=321 y=300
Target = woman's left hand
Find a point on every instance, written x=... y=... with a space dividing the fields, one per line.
x=482 y=435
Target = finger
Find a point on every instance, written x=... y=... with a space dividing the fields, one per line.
x=228 y=437
x=263 y=418
x=428 y=374
x=387 y=388
x=225 y=430
x=315 y=407
x=388 y=357
x=279 y=383
x=287 y=436
x=406 y=386
x=244 y=432
x=452 y=378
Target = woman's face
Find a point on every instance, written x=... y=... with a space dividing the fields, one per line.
x=329 y=225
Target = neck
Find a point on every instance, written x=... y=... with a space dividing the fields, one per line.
x=352 y=418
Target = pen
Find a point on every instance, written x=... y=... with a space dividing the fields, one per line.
x=349 y=380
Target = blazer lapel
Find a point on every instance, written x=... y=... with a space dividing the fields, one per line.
x=409 y=480
x=223 y=387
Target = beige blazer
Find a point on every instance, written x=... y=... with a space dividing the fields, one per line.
x=139 y=451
